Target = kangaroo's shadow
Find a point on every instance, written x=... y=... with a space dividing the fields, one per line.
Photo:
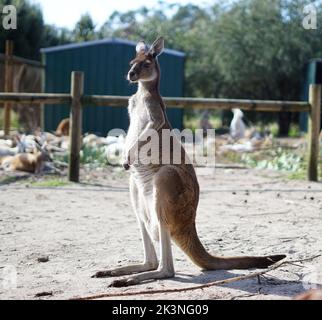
x=267 y=285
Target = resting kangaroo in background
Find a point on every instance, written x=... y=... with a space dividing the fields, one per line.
x=27 y=162
x=164 y=196
x=63 y=128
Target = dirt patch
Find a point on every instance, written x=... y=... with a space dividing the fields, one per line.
x=85 y=228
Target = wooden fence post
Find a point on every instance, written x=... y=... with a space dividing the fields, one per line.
x=8 y=86
x=314 y=131
x=77 y=91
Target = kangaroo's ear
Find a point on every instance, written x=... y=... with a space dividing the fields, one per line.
x=141 y=47
x=157 y=47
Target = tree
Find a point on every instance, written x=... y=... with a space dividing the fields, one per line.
x=28 y=36
x=263 y=49
x=53 y=36
x=84 y=29
x=186 y=30
x=252 y=49
x=32 y=34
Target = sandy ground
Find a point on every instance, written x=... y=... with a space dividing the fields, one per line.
x=86 y=228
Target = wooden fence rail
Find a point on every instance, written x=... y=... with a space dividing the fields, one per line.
x=214 y=104
x=195 y=103
x=77 y=99
x=36 y=98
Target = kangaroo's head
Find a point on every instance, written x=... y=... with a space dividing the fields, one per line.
x=41 y=152
x=145 y=67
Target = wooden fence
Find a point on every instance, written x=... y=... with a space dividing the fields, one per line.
x=10 y=61
x=76 y=99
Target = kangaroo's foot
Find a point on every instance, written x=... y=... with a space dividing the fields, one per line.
x=123 y=271
x=152 y=275
x=165 y=270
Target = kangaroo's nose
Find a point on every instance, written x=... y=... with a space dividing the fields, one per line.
x=132 y=76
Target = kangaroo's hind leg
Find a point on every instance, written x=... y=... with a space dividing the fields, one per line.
x=150 y=257
x=165 y=270
x=156 y=204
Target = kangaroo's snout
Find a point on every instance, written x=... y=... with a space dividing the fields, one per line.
x=132 y=76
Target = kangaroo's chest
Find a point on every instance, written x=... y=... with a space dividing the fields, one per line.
x=139 y=118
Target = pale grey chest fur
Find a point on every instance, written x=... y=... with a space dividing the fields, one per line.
x=139 y=119
x=142 y=175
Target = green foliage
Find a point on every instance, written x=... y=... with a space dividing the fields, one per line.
x=252 y=49
x=260 y=52
x=233 y=157
x=188 y=29
x=191 y=121
x=51 y=183
x=215 y=119
x=247 y=49
x=273 y=129
x=95 y=157
x=280 y=160
x=84 y=29
x=28 y=36
x=31 y=34
x=6 y=180
x=294 y=131
x=92 y=157
x=14 y=119
x=53 y=36
x=300 y=175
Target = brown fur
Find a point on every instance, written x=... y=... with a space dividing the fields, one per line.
x=63 y=128
x=28 y=162
x=170 y=192
x=178 y=195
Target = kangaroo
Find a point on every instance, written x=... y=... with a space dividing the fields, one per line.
x=27 y=162
x=63 y=128
x=164 y=196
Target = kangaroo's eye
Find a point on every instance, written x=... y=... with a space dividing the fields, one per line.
x=146 y=65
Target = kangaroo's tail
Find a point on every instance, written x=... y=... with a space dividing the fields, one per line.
x=189 y=242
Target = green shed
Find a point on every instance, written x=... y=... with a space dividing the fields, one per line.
x=105 y=64
x=313 y=76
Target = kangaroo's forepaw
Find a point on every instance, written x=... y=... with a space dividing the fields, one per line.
x=103 y=274
x=127 y=282
x=126 y=166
